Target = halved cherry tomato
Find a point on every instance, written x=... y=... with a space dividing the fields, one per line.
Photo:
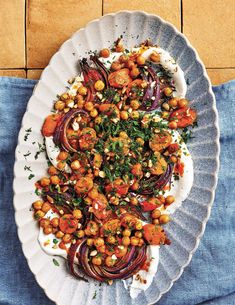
x=87 y=139
x=99 y=205
x=111 y=226
x=150 y=204
x=50 y=124
x=128 y=220
x=160 y=141
x=153 y=234
x=120 y=78
x=110 y=109
x=179 y=168
x=173 y=147
x=68 y=224
x=184 y=116
x=118 y=186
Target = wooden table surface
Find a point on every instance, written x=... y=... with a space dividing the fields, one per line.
x=31 y=31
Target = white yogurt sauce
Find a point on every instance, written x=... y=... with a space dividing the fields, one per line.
x=180 y=189
x=53 y=152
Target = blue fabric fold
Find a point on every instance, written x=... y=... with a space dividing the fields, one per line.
x=210 y=277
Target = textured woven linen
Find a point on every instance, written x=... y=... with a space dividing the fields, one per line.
x=210 y=277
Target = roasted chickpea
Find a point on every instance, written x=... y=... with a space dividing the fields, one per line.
x=82 y=90
x=138 y=234
x=37 y=205
x=161 y=198
x=141 y=242
x=55 y=222
x=156 y=214
x=130 y=64
x=174 y=159
x=88 y=200
x=155 y=57
x=134 y=241
x=126 y=232
x=138 y=225
x=134 y=72
x=123 y=58
x=89 y=106
x=134 y=201
x=77 y=214
x=67 y=238
x=75 y=165
x=64 y=96
x=114 y=200
x=105 y=53
x=99 y=241
x=172 y=125
x=90 y=241
x=46 y=207
x=63 y=155
x=140 y=60
x=167 y=91
x=173 y=102
x=61 y=165
x=126 y=241
x=123 y=134
x=165 y=114
x=140 y=141
x=111 y=239
x=124 y=115
x=99 y=85
x=164 y=218
x=79 y=233
x=52 y=170
x=166 y=106
x=109 y=261
x=116 y=66
x=96 y=260
x=98 y=120
x=59 y=105
x=135 y=114
x=155 y=221
x=169 y=199
x=94 y=113
x=47 y=230
x=45 y=181
x=44 y=222
x=135 y=104
x=101 y=249
x=182 y=103
x=80 y=104
x=135 y=186
x=55 y=179
x=59 y=234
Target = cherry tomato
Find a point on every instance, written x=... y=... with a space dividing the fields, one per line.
x=118 y=186
x=184 y=116
x=120 y=78
x=68 y=224
x=153 y=234
x=150 y=204
x=50 y=124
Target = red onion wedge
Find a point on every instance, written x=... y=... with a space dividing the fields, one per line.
x=60 y=136
x=149 y=185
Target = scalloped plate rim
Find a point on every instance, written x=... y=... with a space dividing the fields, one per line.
x=216 y=124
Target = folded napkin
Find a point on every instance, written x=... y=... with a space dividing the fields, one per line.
x=209 y=278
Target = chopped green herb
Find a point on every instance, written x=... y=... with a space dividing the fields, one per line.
x=55 y=262
x=31 y=176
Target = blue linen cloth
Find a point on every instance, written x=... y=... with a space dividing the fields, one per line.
x=210 y=277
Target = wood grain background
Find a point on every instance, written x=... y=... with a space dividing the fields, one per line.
x=31 y=31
